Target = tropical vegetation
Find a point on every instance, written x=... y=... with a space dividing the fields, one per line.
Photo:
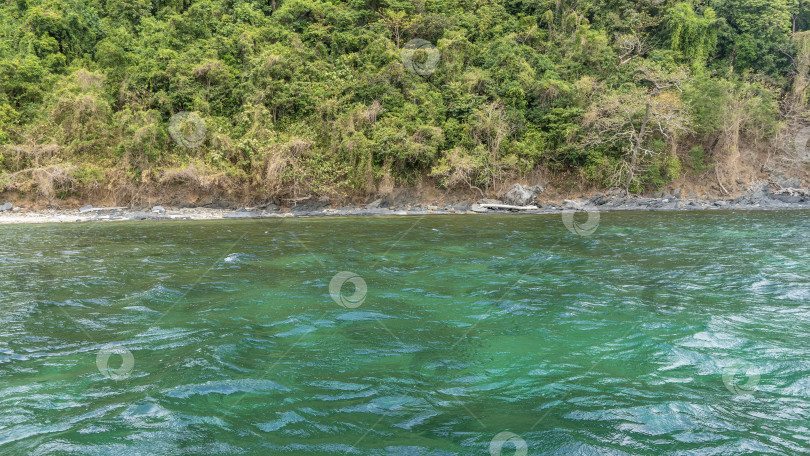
x=292 y=98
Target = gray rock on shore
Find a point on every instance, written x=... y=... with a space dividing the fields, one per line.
x=781 y=180
x=6 y=207
x=310 y=206
x=573 y=205
x=519 y=195
x=462 y=207
x=477 y=208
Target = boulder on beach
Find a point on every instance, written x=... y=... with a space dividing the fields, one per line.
x=6 y=207
x=158 y=209
x=573 y=204
x=462 y=207
x=310 y=205
x=87 y=208
x=519 y=195
x=599 y=199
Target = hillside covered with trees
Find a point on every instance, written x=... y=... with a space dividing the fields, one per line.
x=344 y=98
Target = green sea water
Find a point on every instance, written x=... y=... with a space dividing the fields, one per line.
x=660 y=333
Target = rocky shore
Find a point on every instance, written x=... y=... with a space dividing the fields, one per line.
x=519 y=200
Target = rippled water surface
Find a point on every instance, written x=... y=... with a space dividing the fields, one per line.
x=662 y=333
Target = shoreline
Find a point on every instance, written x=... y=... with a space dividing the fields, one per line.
x=760 y=201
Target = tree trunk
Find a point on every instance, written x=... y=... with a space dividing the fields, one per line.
x=637 y=147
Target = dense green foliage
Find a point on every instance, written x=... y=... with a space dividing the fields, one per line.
x=327 y=97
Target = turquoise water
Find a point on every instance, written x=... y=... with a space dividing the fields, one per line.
x=662 y=333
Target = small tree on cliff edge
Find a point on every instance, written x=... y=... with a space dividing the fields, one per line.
x=627 y=120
